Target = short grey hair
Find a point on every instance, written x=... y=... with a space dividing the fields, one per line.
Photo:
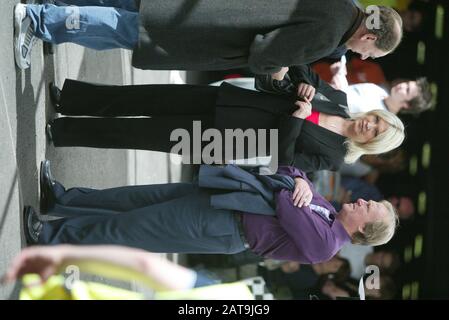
x=390 y=33
x=379 y=232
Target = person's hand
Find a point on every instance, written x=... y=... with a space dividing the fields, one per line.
x=304 y=109
x=44 y=261
x=280 y=75
x=339 y=71
x=339 y=68
x=337 y=83
x=302 y=195
x=306 y=91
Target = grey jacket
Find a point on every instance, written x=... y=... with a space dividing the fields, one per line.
x=263 y=35
x=243 y=191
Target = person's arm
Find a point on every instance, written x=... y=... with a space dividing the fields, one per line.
x=310 y=239
x=290 y=128
x=302 y=194
x=288 y=46
x=291 y=172
x=307 y=75
x=116 y=262
x=291 y=83
x=279 y=76
x=339 y=80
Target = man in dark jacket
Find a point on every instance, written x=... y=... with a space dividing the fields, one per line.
x=267 y=36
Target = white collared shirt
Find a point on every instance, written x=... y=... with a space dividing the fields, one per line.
x=322 y=211
x=365 y=97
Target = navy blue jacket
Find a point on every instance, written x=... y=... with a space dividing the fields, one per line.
x=241 y=190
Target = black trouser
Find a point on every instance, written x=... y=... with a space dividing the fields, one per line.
x=169 y=106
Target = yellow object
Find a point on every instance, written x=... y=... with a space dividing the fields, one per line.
x=234 y=291
x=397 y=4
x=55 y=289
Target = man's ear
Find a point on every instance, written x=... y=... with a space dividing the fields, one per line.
x=369 y=37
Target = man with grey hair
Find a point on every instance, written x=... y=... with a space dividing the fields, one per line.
x=263 y=35
x=188 y=218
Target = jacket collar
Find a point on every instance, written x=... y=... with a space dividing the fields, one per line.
x=357 y=20
x=320 y=104
x=327 y=137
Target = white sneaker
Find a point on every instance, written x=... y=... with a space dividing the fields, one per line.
x=24 y=38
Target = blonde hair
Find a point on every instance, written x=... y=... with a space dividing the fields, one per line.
x=386 y=141
x=378 y=232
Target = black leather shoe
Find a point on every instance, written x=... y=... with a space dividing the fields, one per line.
x=46 y=182
x=32 y=225
x=55 y=96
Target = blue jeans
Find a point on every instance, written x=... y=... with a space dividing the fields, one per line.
x=94 y=27
x=129 y=5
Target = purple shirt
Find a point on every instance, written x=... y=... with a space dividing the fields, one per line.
x=296 y=234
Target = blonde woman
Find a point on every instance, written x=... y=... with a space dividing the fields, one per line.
x=311 y=135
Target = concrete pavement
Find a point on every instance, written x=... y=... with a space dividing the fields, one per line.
x=24 y=110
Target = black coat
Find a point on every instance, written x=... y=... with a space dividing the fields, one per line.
x=225 y=34
x=163 y=108
x=302 y=144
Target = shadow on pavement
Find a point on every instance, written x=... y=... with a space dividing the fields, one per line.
x=26 y=139
x=9 y=198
